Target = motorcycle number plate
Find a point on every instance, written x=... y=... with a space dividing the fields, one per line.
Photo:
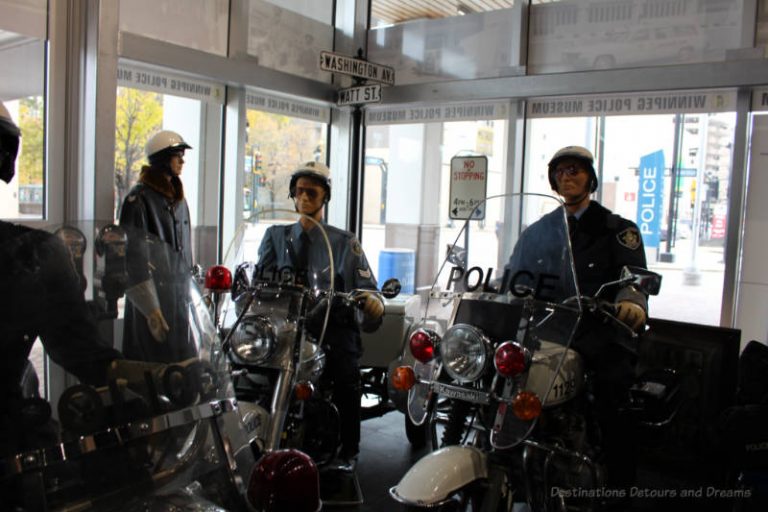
x=460 y=393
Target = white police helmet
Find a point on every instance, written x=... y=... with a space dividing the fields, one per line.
x=164 y=140
x=578 y=152
x=315 y=170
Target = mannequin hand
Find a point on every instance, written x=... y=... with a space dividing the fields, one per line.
x=157 y=325
x=373 y=307
x=631 y=314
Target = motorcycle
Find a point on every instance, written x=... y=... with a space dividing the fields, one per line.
x=274 y=320
x=159 y=434
x=496 y=348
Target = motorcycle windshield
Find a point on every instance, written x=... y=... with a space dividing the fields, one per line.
x=152 y=419
x=506 y=300
x=283 y=278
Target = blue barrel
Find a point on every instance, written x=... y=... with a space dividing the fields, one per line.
x=399 y=263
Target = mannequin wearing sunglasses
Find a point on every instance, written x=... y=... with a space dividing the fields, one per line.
x=602 y=243
x=299 y=246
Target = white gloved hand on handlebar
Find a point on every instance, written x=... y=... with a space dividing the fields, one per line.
x=373 y=309
x=631 y=314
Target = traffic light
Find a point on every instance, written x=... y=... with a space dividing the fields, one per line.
x=257 y=161
x=693 y=193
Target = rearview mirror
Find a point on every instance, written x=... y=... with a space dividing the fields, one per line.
x=646 y=281
x=391 y=288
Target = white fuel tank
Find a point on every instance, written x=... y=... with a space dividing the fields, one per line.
x=569 y=380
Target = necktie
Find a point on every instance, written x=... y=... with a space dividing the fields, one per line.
x=302 y=259
x=573 y=222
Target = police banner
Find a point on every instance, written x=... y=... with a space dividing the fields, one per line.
x=635 y=103
x=287 y=106
x=148 y=79
x=650 y=197
x=437 y=113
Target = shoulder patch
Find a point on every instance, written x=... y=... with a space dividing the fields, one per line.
x=629 y=238
x=131 y=198
x=365 y=274
x=354 y=244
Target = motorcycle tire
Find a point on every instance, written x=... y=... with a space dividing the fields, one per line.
x=456 y=424
x=417 y=435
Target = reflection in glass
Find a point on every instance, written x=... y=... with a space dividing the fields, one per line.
x=289 y=35
x=570 y=35
x=199 y=24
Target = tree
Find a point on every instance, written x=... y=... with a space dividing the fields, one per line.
x=31 y=119
x=283 y=143
x=139 y=114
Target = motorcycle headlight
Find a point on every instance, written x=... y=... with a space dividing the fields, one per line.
x=254 y=340
x=465 y=352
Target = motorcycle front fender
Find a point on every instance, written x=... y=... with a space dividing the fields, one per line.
x=434 y=478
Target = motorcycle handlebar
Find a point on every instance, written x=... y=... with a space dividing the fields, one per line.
x=605 y=308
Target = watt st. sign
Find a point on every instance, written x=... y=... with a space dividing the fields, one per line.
x=359 y=95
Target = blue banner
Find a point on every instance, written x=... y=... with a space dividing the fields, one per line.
x=650 y=197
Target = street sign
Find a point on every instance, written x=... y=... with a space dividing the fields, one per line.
x=359 y=68
x=359 y=95
x=469 y=181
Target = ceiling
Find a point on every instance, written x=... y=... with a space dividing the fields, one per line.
x=385 y=12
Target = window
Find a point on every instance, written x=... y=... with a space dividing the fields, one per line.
x=150 y=100
x=22 y=94
x=672 y=181
x=406 y=224
x=281 y=133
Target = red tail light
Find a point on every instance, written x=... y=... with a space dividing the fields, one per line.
x=285 y=480
x=511 y=359
x=422 y=344
x=218 y=279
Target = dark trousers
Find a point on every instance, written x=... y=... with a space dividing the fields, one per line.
x=613 y=371
x=342 y=372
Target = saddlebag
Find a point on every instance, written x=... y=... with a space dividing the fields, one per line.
x=745 y=425
x=655 y=397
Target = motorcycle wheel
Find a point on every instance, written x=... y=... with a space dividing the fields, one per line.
x=417 y=435
x=456 y=423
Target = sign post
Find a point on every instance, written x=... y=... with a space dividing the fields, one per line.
x=361 y=93
x=469 y=183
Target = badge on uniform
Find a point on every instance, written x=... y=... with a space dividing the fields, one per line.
x=355 y=246
x=629 y=238
x=131 y=198
x=365 y=274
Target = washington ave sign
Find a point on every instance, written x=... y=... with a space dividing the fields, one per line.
x=359 y=68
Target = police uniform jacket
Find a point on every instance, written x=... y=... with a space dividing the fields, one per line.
x=155 y=216
x=602 y=244
x=281 y=247
x=42 y=296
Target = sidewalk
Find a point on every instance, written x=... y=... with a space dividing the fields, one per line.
x=682 y=299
